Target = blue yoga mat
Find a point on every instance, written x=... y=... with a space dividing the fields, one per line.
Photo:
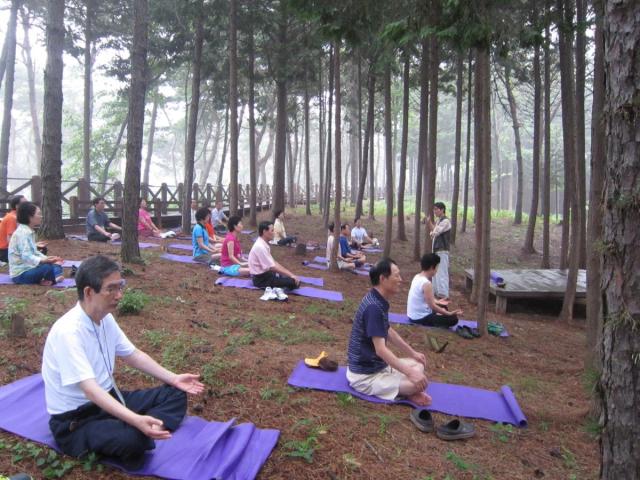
x=459 y=400
x=198 y=450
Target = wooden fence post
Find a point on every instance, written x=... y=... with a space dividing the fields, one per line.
x=83 y=190
x=157 y=210
x=163 y=197
x=73 y=207
x=36 y=189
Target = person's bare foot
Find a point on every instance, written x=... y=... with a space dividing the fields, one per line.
x=46 y=283
x=59 y=279
x=420 y=398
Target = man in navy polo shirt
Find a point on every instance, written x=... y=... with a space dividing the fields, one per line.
x=373 y=368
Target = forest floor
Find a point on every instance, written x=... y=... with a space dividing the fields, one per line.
x=246 y=350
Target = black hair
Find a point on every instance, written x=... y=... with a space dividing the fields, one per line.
x=26 y=210
x=343 y=226
x=202 y=213
x=233 y=222
x=96 y=201
x=15 y=201
x=441 y=206
x=92 y=273
x=330 y=227
x=428 y=261
x=383 y=267
x=264 y=226
x=277 y=213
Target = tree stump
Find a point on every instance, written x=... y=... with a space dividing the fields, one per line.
x=17 y=326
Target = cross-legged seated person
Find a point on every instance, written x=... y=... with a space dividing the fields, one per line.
x=373 y=368
x=231 y=262
x=280 y=236
x=98 y=222
x=343 y=263
x=88 y=411
x=26 y=264
x=203 y=252
x=265 y=271
x=146 y=227
x=219 y=219
x=345 y=249
x=8 y=225
x=359 y=236
x=421 y=303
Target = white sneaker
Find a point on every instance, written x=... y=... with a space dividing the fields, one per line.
x=215 y=268
x=269 y=294
x=280 y=295
x=115 y=237
x=2 y=264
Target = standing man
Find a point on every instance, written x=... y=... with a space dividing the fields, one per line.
x=264 y=270
x=373 y=368
x=98 y=222
x=441 y=238
x=88 y=411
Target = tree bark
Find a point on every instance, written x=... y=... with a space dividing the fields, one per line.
x=580 y=47
x=51 y=227
x=281 y=114
x=422 y=145
x=368 y=132
x=546 y=174
x=402 y=235
x=152 y=133
x=105 y=173
x=31 y=79
x=225 y=146
x=327 y=177
x=432 y=156
x=253 y=181
x=130 y=250
x=457 y=148
x=88 y=91
x=388 y=155
x=307 y=166
x=190 y=149
x=619 y=390
x=5 y=135
x=465 y=200
x=535 y=174
x=233 y=105
x=513 y=110
x=337 y=154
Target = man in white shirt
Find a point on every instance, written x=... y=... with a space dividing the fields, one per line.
x=359 y=236
x=343 y=263
x=265 y=271
x=88 y=411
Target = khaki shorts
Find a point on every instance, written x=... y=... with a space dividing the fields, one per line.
x=384 y=384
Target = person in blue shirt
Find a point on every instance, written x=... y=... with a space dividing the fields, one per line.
x=345 y=248
x=373 y=369
x=203 y=252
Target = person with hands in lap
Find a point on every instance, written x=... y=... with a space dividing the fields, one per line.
x=88 y=411
x=373 y=368
x=98 y=222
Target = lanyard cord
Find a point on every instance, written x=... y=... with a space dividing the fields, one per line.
x=107 y=363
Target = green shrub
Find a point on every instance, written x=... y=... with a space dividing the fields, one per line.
x=133 y=302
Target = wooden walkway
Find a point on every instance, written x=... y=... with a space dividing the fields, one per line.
x=525 y=283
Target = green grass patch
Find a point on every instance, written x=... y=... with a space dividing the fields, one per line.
x=177 y=349
x=133 y=302
x=211 y=372
x=502 y=431
x=11 y=306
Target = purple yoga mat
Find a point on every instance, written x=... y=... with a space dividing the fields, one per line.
x=197 y=450
x=5 y=279
x=71 y=263
x=180 y=246
x=404 y=320
x=495 y=278
x=372 y=250
x=320 y=260
x=302 y=291
x=317 y=266
x=248 y=232
x=180 y=258
x=451 y=399
x=140 y=244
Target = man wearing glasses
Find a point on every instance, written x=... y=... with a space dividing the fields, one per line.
x=88 y=411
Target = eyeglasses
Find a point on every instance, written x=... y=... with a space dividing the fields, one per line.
x=117 y=287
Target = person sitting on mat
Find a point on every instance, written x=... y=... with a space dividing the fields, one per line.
x=219 y=219
x=441 y=238
x=359 y=237
x=146 y=227
x=9 y=225
x=373 y=369
x=280 y=236
x=265 y=271
x=98 y=222
x=89 y=414
x=213 y=238
x=343 y=263
x=26 y=264
x=203 y=252
x=345 y=249
x=231 y=262
x=421 y=304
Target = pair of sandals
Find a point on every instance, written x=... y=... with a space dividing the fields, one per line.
x=323 y=362
x=454 y=430
x=468 y=333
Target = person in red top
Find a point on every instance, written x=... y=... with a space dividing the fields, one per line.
x=146 y=227
x=8 y=226
x=231 y=260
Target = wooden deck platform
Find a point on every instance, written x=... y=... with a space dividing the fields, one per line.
x=525 y=283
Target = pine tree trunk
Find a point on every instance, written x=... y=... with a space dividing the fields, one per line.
x=88 y=93
x=233 y=105
x=328 y=163
x=130 y=250
x=193 y=122
x=401 y=235
x=225 y=146
x=31 y=79
x=388 y=154
x=307 y=166
x=51 y=227
x=253 y=181
x=513 y=110
x=546 y=174
x=596 y=213
x=422 y=145
x=372 y=176
x=5 y=135
x=321 y=127
x=465 y=200
x=431 y=163
x=368 y=132
x=580 y=47
x=150 y=139
x=337 y=153
x=535 y=174
x=619 y=390
x=457 y=148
